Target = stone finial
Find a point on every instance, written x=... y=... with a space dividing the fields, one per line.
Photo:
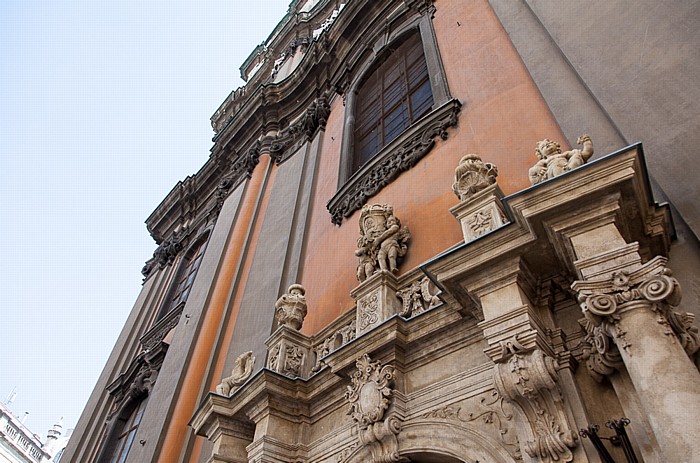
x=473 y=175
x=382 y=241
x=291 y=307
x=239 y=375
x=552 y=162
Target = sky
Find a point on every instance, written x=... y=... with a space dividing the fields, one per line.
x=104 y=107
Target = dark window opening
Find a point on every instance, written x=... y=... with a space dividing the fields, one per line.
x=395 y=95
x=127 y=432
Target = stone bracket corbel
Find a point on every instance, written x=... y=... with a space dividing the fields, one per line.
x=529 y=382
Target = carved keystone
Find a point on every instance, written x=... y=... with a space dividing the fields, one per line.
x=370 y=396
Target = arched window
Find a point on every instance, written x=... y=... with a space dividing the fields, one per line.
x=392 y=97
x=184 y=278
x=124 y=433
x=397 y=103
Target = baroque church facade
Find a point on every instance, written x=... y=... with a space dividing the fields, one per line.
x=427 y=232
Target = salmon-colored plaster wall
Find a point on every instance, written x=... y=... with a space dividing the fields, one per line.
x=503 y=115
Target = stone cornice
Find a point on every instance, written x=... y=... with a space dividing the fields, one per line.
x=623 y=171
x=262 y=112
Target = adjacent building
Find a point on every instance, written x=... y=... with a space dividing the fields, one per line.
x=427 y=232
x=19 y=445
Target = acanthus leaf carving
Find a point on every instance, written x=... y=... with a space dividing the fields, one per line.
x=602 y=301
x=314 y=118
x=491 y=411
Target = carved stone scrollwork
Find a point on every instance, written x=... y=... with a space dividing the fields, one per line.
x=529 y=381
x=473 y=175
x=418 y=297
x=491 y=411
x=341 y=337
x=599 y=351
x=290 y=308
x=382 y=241
x=602 y=301
x=370 y=397
x=239 y=375
x=314 y=119
x=552 y=162
x=166 y=252
x=395 y=158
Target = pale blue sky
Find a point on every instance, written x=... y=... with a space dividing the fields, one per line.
x=104 y=106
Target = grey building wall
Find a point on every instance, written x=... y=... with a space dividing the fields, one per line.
x=625 y=71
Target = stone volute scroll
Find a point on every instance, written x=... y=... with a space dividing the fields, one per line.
x=479 y=210
x=239 y=375
x=370 y=397
x=552 y=162
x=290 y=308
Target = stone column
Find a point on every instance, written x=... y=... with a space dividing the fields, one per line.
x=635 y=308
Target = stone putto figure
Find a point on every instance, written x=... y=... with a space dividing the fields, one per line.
x=239 y=375
x=473 y=175
x=552 y=162
x=290 y=308
x=382 y=241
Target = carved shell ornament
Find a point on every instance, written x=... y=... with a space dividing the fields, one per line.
x=473 y=175
x=370 y=391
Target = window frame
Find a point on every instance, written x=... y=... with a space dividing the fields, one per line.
x=355 y=187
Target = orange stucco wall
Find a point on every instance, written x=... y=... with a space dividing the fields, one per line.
x=502 y=117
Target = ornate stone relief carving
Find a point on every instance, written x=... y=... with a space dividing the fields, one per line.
x=341 y=337
x=418 y=297
x=529 y=382
x=294 y=357
x=491 y=411
x=473 y=175
x=599 y=351
x=314 y=119
x=382 y=241
x=393 y=159
x=136 y=383
x=157 y=333
x=239 y=375
x=290 y=308
x=166 y=252
x=602 y=301
x=552 y=162
x=370 y=397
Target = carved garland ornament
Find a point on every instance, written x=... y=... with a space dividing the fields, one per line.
x=370 y=396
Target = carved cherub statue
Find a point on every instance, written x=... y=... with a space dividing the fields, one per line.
x=552 y=162
x=365 y=268
x=382 y=241
x=391 y=244
x=239 y=375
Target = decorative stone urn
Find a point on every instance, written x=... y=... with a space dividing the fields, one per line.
x=479 y=210
x=291 y=307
